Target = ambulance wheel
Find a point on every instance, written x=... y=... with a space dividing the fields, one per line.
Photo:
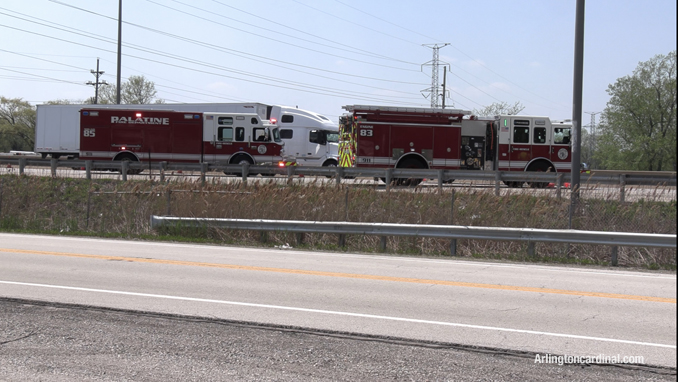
x=539 y=167
x=409 y=163
x=241 y=160
x=129 y=158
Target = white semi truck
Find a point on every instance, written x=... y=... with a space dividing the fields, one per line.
x=310 y=139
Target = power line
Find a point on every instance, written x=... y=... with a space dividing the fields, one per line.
x=241 y=54
x=296 y=85
x=276 y=22
x=275 y=81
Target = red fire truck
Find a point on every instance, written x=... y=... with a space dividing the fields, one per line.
x=402 y=137
x=161 y=135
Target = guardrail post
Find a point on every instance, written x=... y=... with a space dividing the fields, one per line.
x=22 y=165
x=169 y=202
x=89 y=200
x=300 y=238
x=441 y=173
x=53 y=165
x=290 y=174
x=263 y=236
x=389 y=178
x=125 y=167
x=342 y=240
x=339 y=174
x=245 y=172
x=346 y=205
x=559 y=185
x=203 y=171
x=163 y=167
x=497 y=181
x=453 y=242
x=382 y=244
x=88 y=169
x=622 y=188
x=2 y=181
x=530 y=249
x=615 y=254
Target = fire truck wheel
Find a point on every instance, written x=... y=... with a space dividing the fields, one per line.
x=129 y=158
x=539 y=167
x=409 y=163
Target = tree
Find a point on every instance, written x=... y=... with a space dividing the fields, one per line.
x=137 y=90
x=499 y=108
x=17 y=125
x=638 y=125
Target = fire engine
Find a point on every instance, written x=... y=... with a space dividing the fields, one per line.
x=172 y=136
x=453 y=139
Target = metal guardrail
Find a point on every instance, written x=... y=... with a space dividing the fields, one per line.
x=339 y=173
x=452 y=232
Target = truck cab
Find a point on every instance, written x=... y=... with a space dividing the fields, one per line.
x=311 y=139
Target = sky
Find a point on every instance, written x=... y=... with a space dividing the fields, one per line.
x=320 y=55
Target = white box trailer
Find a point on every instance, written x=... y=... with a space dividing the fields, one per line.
x=310 y=138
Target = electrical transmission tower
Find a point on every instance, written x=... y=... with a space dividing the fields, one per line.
x=434 y=63
x=96 y=84
x=592 y=136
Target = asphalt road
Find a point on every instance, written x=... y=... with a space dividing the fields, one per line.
x=525 y=309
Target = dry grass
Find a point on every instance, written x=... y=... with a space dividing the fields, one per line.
x=113 y=208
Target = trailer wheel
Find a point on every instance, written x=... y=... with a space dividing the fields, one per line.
x=128 y=158
x=540 y=166
x=331 y=163
x=410 y=163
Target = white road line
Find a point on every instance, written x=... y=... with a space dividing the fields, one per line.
x=348 y=314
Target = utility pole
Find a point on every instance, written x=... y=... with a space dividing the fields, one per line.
x=577 y=87
x=96 y=84
x=592 y=135
x=434 y=63
x=117 y=95
x=444 y=84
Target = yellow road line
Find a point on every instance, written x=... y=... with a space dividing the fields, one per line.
x=350 y=275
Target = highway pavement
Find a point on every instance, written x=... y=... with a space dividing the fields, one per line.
x=541 y=312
